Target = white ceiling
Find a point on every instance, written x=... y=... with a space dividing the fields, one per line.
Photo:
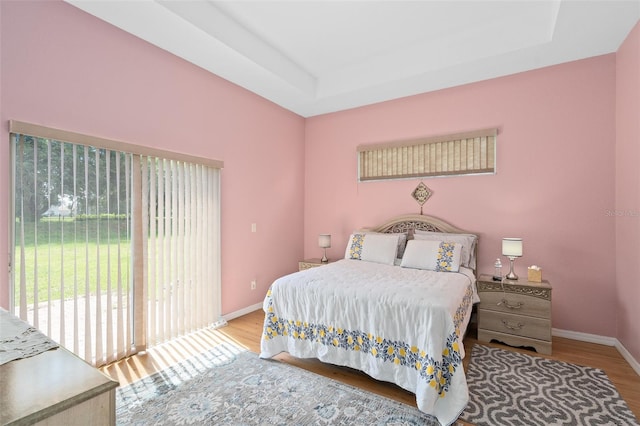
x=314 y=57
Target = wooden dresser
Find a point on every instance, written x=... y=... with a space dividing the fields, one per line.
x=517 y=313
x=55 y=388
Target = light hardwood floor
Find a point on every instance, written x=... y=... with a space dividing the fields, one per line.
x=246 y=331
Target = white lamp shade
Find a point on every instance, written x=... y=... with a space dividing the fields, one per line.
x=324 y=240
x=512 y=247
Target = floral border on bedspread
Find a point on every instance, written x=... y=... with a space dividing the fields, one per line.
x=437 y=373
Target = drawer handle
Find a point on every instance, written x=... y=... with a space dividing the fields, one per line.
x=512 y=327
x=506 y=303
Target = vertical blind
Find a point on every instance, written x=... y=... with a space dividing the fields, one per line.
x=183 y=250
x=456 y=154
x=113 y=251
x=73 y=249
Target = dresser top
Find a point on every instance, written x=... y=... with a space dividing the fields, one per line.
x=485 y=278
x=40 y=386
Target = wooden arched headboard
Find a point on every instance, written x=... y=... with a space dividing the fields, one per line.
x=409 y=223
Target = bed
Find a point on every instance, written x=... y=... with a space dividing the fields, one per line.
x=396 y=307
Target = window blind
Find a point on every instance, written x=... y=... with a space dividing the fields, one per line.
x=183 y=247
x=456 y=154
x=72 y=256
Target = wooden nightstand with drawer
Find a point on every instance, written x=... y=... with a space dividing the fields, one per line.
x=517 y=313
x=311 y=263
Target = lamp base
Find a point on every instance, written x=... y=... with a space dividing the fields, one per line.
x=511 y=276
x=324 y=257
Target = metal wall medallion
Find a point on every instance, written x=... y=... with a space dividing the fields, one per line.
x=421 y=194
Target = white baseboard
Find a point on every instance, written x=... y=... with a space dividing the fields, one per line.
x=242 y=312
x=627 y=355
x=585 y=337
x=601 y=340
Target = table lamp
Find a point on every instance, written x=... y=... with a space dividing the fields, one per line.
x=324 y=241
x=512 y=248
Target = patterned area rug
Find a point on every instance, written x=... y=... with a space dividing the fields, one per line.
x=510 y=388
x=229 y=386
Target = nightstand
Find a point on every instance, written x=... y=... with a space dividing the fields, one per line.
x=311 y=263
x=517 y=313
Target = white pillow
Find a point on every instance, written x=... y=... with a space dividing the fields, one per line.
x=402 y=240
x=468 y=242
x=441 y=256
x=372 y=247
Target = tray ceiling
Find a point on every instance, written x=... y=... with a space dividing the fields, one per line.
x=315 y=57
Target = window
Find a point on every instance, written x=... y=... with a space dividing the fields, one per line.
x=458 y=154
x=114 y=249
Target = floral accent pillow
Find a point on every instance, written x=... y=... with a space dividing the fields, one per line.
x=467 y=241
x=442 y=256
x=446 y=260
x=372 y=247
x=355 y=248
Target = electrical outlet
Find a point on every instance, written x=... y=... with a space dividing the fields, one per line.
x=253 y=284
x=254 y=227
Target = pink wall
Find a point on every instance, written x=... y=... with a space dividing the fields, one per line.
x=63 y=68
x=557 y=152
x=627 y=201
x=554 y=182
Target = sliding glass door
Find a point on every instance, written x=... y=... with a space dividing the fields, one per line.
x=73 y=245
x=112 y=251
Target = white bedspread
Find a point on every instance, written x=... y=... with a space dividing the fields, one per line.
x=396 y=324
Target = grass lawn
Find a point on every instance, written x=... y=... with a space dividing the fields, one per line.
x=67 y=255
